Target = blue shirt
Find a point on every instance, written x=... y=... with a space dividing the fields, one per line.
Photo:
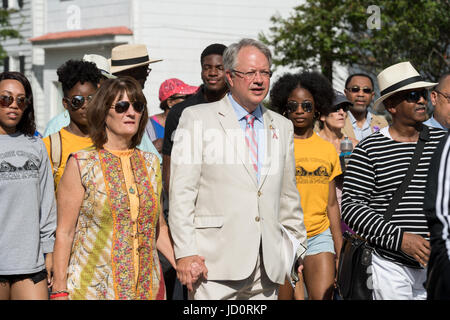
x=365 y=131
x=258 y=126
x=433 y=123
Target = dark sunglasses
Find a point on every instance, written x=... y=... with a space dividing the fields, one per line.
x=292 y=106
x=122 y=106
x=76 y=102
x=356 y=89
x=414 y=96
x=6 y=101
x=344 y=108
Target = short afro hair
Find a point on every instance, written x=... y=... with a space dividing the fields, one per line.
x=215 y=48
x=317 y=85
x=74 y=71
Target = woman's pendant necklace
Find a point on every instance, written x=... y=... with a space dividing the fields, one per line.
x=131 y=190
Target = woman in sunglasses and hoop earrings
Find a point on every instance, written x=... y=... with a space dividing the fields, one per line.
x=80 y=80
x=110 y=222
x=301 y=98
x=28 y=209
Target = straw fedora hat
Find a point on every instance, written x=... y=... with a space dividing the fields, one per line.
x=102 y=64
x=128 y=56
x=399 y=77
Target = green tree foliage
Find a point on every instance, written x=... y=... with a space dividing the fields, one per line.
x=6 y=31
x=320 y=33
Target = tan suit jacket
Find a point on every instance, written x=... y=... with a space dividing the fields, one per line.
x=377 y=121
x=218 y=210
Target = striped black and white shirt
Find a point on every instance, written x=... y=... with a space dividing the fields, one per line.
x=376 y=169
x=437 y=204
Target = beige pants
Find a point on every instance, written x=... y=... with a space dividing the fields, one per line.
x=257 y=286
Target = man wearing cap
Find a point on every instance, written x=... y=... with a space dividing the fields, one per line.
x=62 y=120
x=375 y=172
x=133 y=60
x=360 y=122
x=440 y=99
x=233 y=189
x=213 y=89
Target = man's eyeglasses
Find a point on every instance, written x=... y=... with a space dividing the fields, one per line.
x=6 y=101
x=356 y=89
x=250 y=75
x=122 y=106
x=445 y=95
x=292 y=106
x=414 y=96
x=76 y=102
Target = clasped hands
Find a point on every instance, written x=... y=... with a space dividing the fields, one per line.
x=190 y=269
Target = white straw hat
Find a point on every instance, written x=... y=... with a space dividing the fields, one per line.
x=128 y=56
x=399 y=77
x=102 y=64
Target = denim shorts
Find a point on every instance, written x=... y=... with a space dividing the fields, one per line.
x=322 y=242
x=35 y=277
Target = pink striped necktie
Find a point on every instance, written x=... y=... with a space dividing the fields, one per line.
x=250 y=140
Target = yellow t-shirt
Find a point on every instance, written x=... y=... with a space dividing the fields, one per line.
x=70 y=143
x=317 y=164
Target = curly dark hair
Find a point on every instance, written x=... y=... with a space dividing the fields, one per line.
x=74 y=71
x=319 y=87
x=26 y=124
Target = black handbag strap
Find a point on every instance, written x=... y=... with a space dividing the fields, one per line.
x=424 y=136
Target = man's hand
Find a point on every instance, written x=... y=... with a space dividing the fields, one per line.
x=189 y=270
x=417 y=247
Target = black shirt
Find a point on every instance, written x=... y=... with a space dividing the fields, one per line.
x=173 y=118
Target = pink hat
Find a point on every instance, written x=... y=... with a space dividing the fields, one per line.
x=173 y=86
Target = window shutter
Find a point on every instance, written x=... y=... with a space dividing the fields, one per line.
x=6 y=64
x=5 y=4
x=22 y=64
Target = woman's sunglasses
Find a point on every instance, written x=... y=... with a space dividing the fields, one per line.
x=292 y=106
x=122 y=106
x=76 y=102
x=6 y=101
x=338 y=107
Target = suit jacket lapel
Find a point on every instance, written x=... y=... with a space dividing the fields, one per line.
x=271 y=136
x=229 y=122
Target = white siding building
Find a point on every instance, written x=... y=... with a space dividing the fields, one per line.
x=176 y=31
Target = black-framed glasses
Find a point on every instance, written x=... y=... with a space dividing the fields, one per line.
x=76 y=102
x=344 y=107
x=7 y=100
x=292 y=106
x=415 y=95
x=445 y=95
x=250 y=75
x=356 y=89
x=122 y=106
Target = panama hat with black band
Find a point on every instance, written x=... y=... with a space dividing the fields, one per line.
x=399 y=77
x=129 y=56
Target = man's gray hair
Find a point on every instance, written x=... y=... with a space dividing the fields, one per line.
x=230 y=54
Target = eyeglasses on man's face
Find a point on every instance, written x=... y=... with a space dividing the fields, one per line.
x=356 y=89
x=445 y=95
x=250 y=75
x=415 y=95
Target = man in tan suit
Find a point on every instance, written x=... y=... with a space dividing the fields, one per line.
x=360 y=122
x=232 y=186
